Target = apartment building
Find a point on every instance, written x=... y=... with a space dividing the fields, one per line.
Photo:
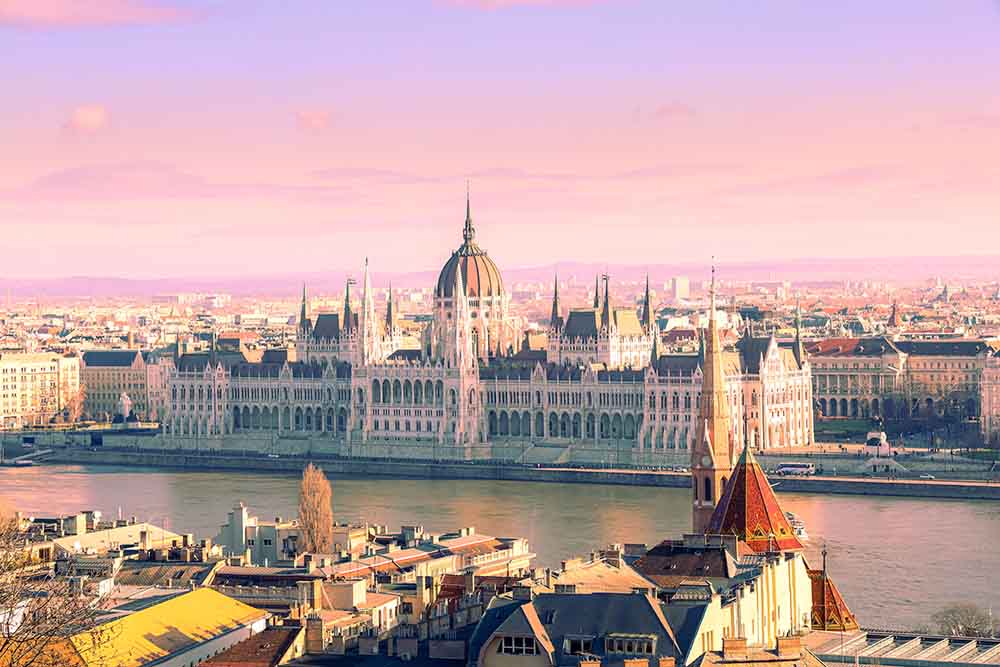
x=35 y=387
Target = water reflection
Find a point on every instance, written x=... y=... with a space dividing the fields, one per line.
x=897 y=560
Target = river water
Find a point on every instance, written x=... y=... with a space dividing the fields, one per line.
x=896 y=560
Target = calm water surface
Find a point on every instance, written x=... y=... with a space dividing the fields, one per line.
x=896 y=560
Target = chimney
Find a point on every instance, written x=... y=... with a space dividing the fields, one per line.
x=789 y=647
x=311 y=594
x=315 y=635
x=734 y=648
x=470 y=582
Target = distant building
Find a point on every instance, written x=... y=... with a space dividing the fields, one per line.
x=470 y=389
x=861 y=378
x=143 y=376
x=681 y=288
x=35 y=387
x=265 y=542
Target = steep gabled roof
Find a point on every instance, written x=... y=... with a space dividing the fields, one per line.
x=628 y=322
x=750 y=510
x=582 y=323
x=829 y=611
x=327 y=326
x=753 y=349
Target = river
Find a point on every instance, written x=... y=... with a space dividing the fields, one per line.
x=896 y=560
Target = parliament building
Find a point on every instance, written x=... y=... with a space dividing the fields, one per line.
x=600 y=391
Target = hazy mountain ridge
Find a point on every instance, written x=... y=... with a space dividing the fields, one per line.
x=891 y=269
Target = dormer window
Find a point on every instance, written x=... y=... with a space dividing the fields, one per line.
x=629 y=645
x=579 y=646
x=518 y=646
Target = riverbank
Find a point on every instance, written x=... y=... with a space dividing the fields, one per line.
x=354 y=467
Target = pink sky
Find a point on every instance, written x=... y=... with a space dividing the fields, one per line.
x=162 y=139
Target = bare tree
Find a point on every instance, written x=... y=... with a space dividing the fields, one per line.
x=965 y=620
x=39 y=611
x=74 y=407
x=315 y=512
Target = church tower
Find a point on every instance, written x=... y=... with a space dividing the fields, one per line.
x=712 y=453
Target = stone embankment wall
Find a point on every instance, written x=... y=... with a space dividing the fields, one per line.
x=353 y=467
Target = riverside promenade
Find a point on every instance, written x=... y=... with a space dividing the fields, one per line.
x=355 y=467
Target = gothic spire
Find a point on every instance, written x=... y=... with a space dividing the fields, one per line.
x=712 y=453
x=606 y=308
x=555 y=319
x=348 y=322
x=597 y=292
x=647 y=314
x=390 y=313
x=303 y=312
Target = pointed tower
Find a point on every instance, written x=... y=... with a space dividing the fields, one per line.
x=597 y=292
x=555 y=319
x=829 y=611
x=304 y=323
x=368 y=322
x=606 y=308
x=468 y=232
x=390 y=313
x=647 y=307
x=750 y=510
x=348 y=323
x=712 y=453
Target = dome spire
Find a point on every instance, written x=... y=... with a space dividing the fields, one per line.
x=469 y=232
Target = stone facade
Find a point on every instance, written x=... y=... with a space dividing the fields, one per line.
x=600 y=392
x=142 y=376
x=861 y=378
x=35 y=387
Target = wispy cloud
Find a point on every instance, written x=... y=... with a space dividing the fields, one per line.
x=86 y=13
x=376 y=176
x=87 y=119
x=154 y=180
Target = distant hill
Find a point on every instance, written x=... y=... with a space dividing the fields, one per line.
x=892 y=269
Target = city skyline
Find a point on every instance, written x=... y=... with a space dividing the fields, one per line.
x=156 y=138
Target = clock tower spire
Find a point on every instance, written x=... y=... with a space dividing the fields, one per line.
x=712 y=453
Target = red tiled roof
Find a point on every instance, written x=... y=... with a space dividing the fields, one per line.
x=829 y=611
x=749 y=510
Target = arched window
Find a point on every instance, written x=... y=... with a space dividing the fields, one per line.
x=708 y=489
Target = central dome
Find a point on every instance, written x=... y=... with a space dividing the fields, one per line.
x=480 y=275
